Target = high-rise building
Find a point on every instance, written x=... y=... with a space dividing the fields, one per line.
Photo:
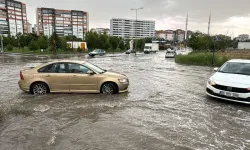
x=101 y=30
x=63 y=22
x=128 y=29
x=13 y=17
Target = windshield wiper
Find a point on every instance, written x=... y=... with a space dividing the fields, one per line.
x=243 y=73
x=228 y=72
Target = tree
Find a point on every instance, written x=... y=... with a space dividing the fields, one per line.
x=106 y=45
x=9 y=47
x=54 y=42
x=33 y=46
x=22 y=41
x=91 y=39
x=43 y=42
x=63 y=44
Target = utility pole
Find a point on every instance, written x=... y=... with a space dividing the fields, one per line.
x=136 y=10
x=209 y=23
x=186 y=28
x=2 y=51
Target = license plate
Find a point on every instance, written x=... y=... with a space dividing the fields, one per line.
x=229 y=94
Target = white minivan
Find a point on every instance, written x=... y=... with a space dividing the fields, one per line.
x=231 y=82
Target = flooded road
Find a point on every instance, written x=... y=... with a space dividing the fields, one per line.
x=166 y=108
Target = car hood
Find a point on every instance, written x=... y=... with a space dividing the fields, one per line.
x=233 y=80
x=114 y=74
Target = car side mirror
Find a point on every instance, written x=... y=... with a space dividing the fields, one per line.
x=216 y=69
x=90 y=72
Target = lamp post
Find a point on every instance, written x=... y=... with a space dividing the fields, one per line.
x=136 y=10
x=2 y=51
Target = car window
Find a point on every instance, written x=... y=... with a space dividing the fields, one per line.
x=48 y=69
x=61 y=68
x=77 y=68
x=53 y=68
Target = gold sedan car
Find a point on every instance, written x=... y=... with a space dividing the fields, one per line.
x=71 y=77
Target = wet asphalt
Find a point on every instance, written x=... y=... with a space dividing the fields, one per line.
x=166 y=108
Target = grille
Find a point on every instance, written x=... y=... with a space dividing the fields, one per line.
x=231 y=89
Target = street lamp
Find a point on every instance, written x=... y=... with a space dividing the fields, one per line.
x=136 y=9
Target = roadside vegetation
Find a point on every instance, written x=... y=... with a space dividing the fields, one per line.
x=33 y=44
x=202 y=59
x=203 y=46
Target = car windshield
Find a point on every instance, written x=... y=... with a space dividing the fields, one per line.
x=97 y=50
x=236 y=68
x=94 y=68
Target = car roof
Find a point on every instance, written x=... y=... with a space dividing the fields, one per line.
x=240 y=60
x=68 y=61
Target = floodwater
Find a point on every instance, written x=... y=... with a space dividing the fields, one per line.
x=166 y=108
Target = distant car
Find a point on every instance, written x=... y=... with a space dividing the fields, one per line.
x=99 y=52
x=170 y=53
x=71 y=77
x=231 y=82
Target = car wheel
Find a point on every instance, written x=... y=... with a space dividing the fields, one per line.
x=39 y=89
x=108 y=89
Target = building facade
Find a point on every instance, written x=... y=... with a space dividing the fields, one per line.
x=170 y=35
x=161 y=34
x=13 y=17
x=180 y=35
x=129 y=29
x=101 y=30
x=62 y=22
x=243 y=37
x=173 y=35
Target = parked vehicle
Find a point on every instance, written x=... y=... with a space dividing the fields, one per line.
x=231 y=82
x=151 y=48
x=170 y=53
x=183 y=51
x=71 y=77
x=99 y=52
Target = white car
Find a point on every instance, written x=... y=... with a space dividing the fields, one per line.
x=231 y=82
x=170 y=53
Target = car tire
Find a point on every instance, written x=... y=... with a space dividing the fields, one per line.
x=109 y=88
x=39 y=88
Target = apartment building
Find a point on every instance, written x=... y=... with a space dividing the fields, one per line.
x=161 y=34
x=128 y=28
x=63 y=22
x=101 y=30
x=170 y=35
x=173 y=35
x=180 y=35
x=243 y=37
x=13 y=17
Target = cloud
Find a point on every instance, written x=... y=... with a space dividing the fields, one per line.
x=227 y=15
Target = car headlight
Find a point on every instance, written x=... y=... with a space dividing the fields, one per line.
x=123 y=80
x=211 y=82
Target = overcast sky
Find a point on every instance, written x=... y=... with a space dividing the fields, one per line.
x=231 y=17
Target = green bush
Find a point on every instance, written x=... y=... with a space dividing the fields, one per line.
x=79 y=50
x=203 y=59
x=33 y=46
x=9 y=47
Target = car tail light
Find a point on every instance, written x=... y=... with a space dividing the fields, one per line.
x=21 y=75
